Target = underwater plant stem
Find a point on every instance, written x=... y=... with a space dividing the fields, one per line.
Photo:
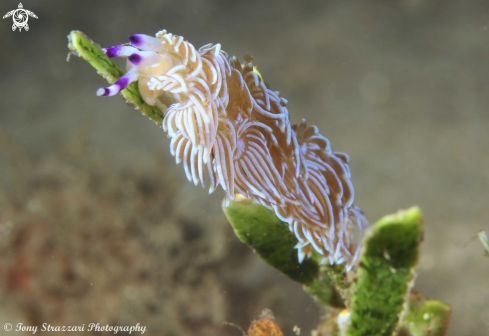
x=272 y=240
x=426 y=317
x=82 y=46
x=386 y=274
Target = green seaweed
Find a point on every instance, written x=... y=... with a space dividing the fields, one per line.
x=385 y=274
x=269 y=237
x=425 y=317
x=82 y=46
x=324 y=290
x=272 y=240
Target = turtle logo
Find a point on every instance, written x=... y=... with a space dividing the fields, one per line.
x=20 y=16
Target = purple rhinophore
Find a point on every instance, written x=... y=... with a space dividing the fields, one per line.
x=144 y=58
x=119 y=51
x=146 y=42
x=135 y=58
x=111 y=52
x=103 y=92
x=135 y=39
x=109 y=91
x=121 y=84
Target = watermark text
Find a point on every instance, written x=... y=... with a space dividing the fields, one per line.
x=138 y=328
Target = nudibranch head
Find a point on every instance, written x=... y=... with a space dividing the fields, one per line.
x=225 y=123
x=147 y=57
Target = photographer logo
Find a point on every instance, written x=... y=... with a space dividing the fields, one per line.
x=20 y=17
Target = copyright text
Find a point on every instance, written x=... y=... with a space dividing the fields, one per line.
x=89 y=327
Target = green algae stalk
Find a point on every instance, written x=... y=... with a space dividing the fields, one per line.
x=82 y=46
x=324 y=290
x=386 y=273
x=426 y=317
x=272 y=240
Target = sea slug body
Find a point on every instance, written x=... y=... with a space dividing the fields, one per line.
x=225 y=121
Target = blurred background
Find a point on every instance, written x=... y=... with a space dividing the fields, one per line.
x=98 y=224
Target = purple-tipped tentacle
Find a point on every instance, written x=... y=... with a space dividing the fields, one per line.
x=144 y=58
x=119 y=51
x=146 y=42
x=121 y=84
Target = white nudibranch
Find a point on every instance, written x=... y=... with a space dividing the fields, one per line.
x=226 y=124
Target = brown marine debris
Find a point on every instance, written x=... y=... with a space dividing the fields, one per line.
x=223 y=119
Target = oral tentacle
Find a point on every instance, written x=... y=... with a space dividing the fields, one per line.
x=121 y=84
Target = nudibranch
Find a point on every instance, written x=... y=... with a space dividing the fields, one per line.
x=224 y=120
